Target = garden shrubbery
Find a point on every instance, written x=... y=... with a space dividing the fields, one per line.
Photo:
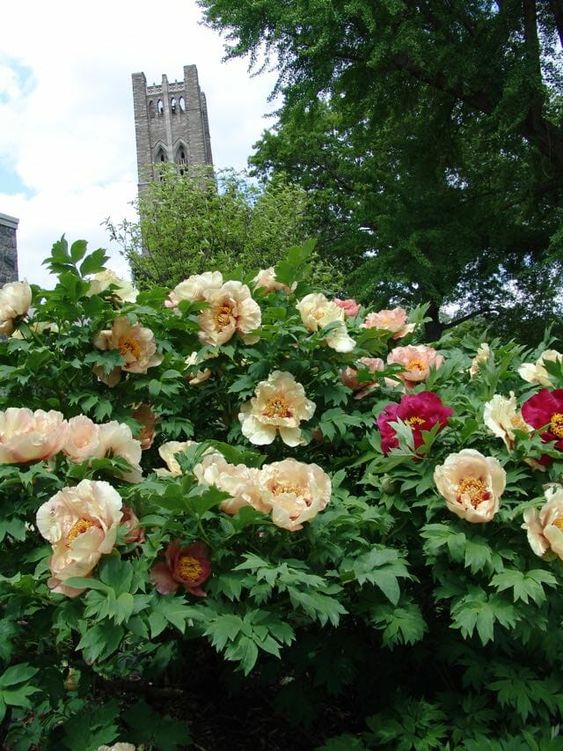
x=366 y=529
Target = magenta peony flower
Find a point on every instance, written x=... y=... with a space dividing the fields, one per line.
x=420 y=411
x=545 y=409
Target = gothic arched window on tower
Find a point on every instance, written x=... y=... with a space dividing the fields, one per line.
x=181 y=158
x=173 y=105
x=160 y=107
x=161 y=155
x=182 y=104
x=151 y=108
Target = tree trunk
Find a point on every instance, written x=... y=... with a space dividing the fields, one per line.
x=434 y=328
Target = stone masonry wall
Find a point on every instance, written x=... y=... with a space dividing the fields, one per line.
x=171 y=123
x=8 y=249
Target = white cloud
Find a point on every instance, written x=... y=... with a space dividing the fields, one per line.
x=67 y=113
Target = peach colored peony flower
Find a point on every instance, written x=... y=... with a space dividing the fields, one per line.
x=27 y=436
x=349 y=376
x=82 y=439
x=100 y=282
x=317 y=312
x=136 y=345
x=266 y=279
x=295 y=492
x=350 y=307
x=472 y=485
x=116 y=439
x=393 y=320
x=482 y=356
x=182 y=566
x=545 y=527
x=280 y=405
x=502 y=418
x=15 y=299
x=168 y=453
x=231 y=310
x=240 y=481
x=417 y=361
x=195 y=288
x=118 y=747
x=81 y=524
x=144 y=415
x=536 y=372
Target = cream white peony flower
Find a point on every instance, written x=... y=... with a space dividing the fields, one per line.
x=81 y=524
x=195 y=288
x=116 y=439
x=266 y=280
x=168 y=453
x=482 y=356
x=545 y=527
x=231 y=310
x=118 y=747
x=294 y=491
x=317 y=312
x=194 y=379
x=280 y=405
x=502 y=418
x=536 y=372
x=472 y=485
x=136 y=345
x=99 y=282
x=15 y=299
x=27 y=436
x=241 y=482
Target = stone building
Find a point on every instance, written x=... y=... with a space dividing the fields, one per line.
x=8 y=249
x=171 y=123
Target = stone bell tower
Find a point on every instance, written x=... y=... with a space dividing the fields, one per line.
x=171 y=123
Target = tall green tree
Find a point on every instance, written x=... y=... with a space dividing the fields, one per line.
x=429 y=134
x=200 y=220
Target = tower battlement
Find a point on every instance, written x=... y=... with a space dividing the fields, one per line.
x=171 y=123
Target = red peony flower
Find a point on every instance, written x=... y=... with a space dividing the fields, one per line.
x=188 y=567
x=545 y=410
x=420 y=411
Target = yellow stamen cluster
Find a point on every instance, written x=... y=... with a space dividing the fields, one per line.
x=277 y=407
x=278 y=489
x=129 y=346
x=557 y=424
x=415 y=364
x=474 y=488
x=78 y=528
x=414 y=421
x=223 y=316
x=558 y=523
x=188 y=568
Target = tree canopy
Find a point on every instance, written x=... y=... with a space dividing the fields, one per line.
x=429 y=135
x=198 y=220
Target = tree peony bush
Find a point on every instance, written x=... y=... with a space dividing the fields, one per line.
x=237 y=515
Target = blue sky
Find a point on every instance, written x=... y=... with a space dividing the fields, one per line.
x=67 y=140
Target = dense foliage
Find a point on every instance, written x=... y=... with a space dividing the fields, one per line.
x=341 y=541
x=428 y=136
x=196 y=219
